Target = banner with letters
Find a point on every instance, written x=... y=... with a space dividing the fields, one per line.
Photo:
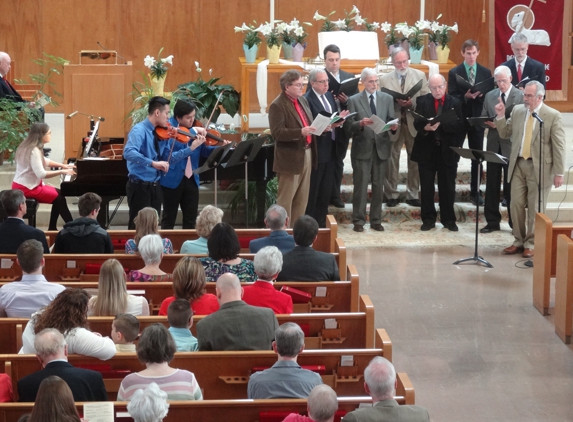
x=541 y=21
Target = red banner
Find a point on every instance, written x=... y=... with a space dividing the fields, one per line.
x=541 y=21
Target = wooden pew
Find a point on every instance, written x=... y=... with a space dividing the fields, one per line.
x=56 y=263
x=324 y=242
x=564 y=289
x=545 y=258
x=221 y=375
x=355 y=330
x=227 y=410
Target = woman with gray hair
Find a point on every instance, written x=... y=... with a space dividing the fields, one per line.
x=149 y=405
x=151 y=251
x=209 y=217
x=268 y=264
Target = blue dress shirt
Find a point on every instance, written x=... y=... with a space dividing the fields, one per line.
x=140 y=152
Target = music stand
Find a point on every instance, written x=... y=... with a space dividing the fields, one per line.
x=213 y=162
x=245 y=152
x=479 y=156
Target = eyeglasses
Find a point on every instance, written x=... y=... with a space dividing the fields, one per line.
x=322 y=82
x=437 y=88
x=297 y=85
x=529 y=95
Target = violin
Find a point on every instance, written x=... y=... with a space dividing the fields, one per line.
x=180 y=134
x=213 y=135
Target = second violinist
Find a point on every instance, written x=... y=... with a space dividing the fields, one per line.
x=180 y=186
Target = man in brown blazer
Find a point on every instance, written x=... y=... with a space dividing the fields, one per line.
x=295 y=146
x=523 y=130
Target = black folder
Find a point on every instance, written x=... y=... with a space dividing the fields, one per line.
x=447 y=116
x=484 y=86
x=399 y=96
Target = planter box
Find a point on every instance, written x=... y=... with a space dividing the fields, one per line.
x=354 y=45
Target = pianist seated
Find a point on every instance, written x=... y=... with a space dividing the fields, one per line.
x=146 y=222
x=151 y=252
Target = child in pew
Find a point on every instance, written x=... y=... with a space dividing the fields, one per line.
x=180 y=318
x=124 y=331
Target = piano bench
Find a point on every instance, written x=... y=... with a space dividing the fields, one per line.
x=32 y=208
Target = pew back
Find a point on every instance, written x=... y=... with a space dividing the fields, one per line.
x=564 y=289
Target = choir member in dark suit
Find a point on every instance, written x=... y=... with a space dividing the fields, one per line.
x=523 y=66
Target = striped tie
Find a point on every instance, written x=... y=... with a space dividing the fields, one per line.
x=472 y=76
x=526 y=151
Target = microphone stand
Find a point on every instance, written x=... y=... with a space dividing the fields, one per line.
x=529 y=262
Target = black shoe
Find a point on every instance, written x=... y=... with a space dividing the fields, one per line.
x=427 y=226
x=392 y=202
x=337 y=202
x=490 y=228
x=377 y=227
x=358 y=228
x=414 y=202
x=480 y=200
x=504 y=203
x=451 y=226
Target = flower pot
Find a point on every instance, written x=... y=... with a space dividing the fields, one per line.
x=287 y=51
x=297 y=52
x=416 y=55
x=250 y=53
x=157 y=84
x=406 y=46
x=273 y=54
x=443 y=54
x=432 y=47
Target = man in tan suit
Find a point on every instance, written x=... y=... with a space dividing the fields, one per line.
x=295 y=146
x=523 y=130
x=402 y=79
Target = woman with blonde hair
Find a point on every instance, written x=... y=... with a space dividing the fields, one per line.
x=209 y=217
x=189 y=283
x=112 y=297
x=151 y=251
x=31 y=169
x=146 y=223
x=54 y=402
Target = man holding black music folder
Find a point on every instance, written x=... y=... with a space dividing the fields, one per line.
x=469 y=82
x=405 y=85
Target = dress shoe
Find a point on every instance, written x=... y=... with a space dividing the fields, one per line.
x=414 y=202
x=490 y=228
x=358 y=228
x=427 y=226
x=337 y=203
x=528 y=253
x=473 y=200
x=377 y=227
x=504 y=203
x=451 y=226
x=392 y=202
x=512 y=250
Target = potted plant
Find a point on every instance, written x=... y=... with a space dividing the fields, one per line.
x=251 y=41
x=300 y=44
x=391 y=40
x=158 y=71
x=55 y=66
x=15 y=122
x=444 y=38
x=287 y=35
x=273 y=40
x=416 y=41
x=237 y=201
x=327 y=25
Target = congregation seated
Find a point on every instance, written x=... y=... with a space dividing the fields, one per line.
x=189 y=283
x=124 y=331
x=54 y=402
x=149 y=404
x=112 y=297
x=303 y=263
x=146 y=222
x=236 y=325
x=268 y=263
x=322 y=405
x=151 y=252
x=68 y=313
x=380 y=383
x=14 y=230
x=84 y=234
x=155 y=350
x=21 y=299
x=285 y=379
x=52 y=352
x=277 y=220
x=208 y=218
x=6 y=393
x=180 y=318
x=224 y=249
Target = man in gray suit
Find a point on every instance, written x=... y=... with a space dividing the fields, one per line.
x=402 y=79
x=510 y=96
x=523 y=130
x=380 y=384
x=370 y=151
x=236 y=325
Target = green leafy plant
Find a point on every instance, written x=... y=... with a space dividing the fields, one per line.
x=15 y=121
x=158 y=68
x=54 y=66
x=391 y=38
x=272 y=36
x=444 y=36
x=327 y=25
x=237 y=202
x=251 y=34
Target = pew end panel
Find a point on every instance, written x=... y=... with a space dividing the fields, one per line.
x=564 y=289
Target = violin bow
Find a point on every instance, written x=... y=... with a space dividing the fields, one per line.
x=214 y=108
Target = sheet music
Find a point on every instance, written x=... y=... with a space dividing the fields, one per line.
x=92 y=137
x=380 y=126
x=320 y=123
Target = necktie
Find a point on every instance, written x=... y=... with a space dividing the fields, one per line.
x=526 y=151
x=188 y=169
x=438 y=104
x=472 y=76
x=519 y=72
x=372 y=106
x=503 y=97
x=402 y=83
x=325 y=103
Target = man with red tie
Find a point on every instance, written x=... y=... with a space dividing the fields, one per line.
x=7 y=90
x=523 y=66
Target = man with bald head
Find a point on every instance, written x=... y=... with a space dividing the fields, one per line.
x=434 y=156
x=236 y=325
x=7 y=90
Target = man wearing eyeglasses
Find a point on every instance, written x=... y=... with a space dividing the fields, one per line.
x=434 y=156
x=521 y=65
x=522 y=128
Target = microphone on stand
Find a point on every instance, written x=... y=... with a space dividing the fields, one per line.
x=536 y=116
x=98 y=43
x=69 y=116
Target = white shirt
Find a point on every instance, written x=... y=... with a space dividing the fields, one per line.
x=536 y=110
x=30 y=172
x=21 y=299
x=522 y=65
x=136 y=305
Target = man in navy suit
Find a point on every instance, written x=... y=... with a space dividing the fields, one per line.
x=52 y=352
x=472 y=104
x=14 y=231
x=521 y=65
x=277 y=220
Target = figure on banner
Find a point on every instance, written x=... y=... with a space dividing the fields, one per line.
x=519 y=23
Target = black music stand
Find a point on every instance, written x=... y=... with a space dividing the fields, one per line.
x=214 y=161
x=244 y=153
x=479 y=156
